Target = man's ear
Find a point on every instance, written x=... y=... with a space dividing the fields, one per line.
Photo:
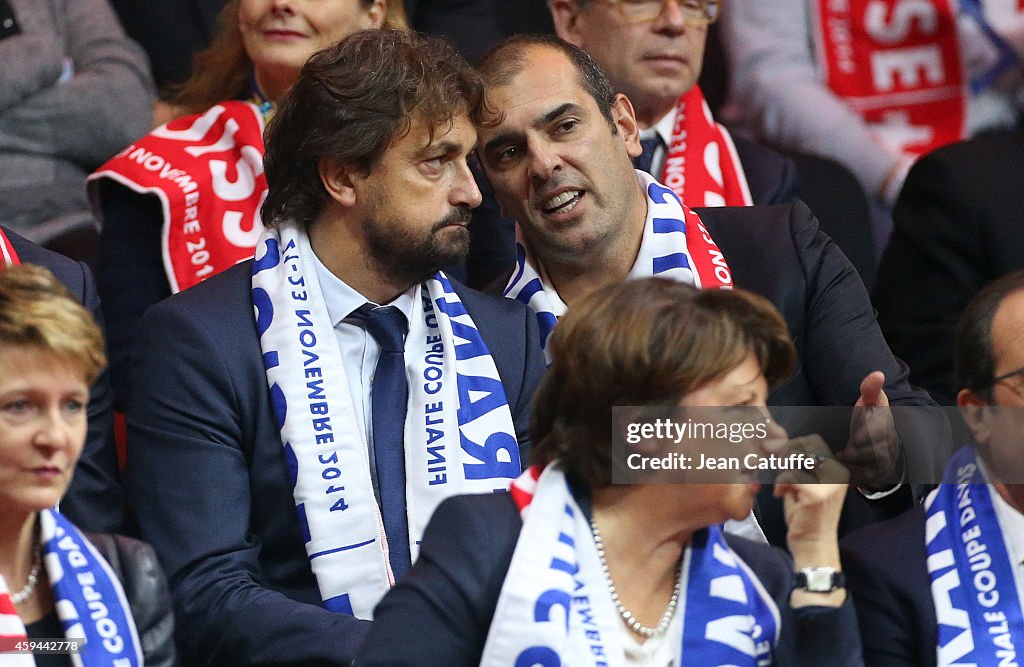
x=374 y=16
x=565 y=14
x=975 y=412
x=338 y=180
x=624 y=118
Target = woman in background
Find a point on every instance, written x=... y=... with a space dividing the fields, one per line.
x=571 y=569
x=55 y=581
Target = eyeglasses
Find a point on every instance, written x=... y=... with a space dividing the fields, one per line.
x=1006 y=376
x=694 y=12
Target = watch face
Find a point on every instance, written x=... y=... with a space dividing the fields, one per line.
x=8 y=21
x=819 y=578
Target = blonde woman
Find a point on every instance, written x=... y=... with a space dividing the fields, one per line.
x=54 y=580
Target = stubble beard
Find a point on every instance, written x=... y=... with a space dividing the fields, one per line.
x=406 y=260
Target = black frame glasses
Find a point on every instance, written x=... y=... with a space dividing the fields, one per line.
x=1006 y=376
x=694 y=12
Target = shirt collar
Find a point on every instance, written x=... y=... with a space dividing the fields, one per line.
x=342 y=300
x=1011 y=522
x=662 y=128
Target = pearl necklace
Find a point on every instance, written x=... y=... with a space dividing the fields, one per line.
x=627 y=616
x=33 y=577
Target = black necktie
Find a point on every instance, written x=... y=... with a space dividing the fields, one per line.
x=646 y=159
x=388 y=400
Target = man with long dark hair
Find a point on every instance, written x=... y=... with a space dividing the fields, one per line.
x=296 y=419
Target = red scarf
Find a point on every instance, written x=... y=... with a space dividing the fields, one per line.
x=701 y=165
x=207 y=171
x=897 y=64
x=7 y=252
x=12 y=630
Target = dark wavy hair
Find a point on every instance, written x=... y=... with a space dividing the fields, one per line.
x=644 y=342
x=351 y=102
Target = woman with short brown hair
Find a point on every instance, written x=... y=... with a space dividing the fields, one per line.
x=668 y=341
x=571 y=569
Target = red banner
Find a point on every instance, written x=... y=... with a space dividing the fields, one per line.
x=897 y=64
x=207 y=171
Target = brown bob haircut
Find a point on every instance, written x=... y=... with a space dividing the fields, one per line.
x=354 y=100
x=37 y=311
x=644 y=342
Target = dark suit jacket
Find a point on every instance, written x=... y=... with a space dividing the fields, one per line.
x=212 y=489
x=886 y=572
x=771 y=176
x=957 y=228
x=441 y=612
x=779 y=253
x=95 y=499
x=130 y=273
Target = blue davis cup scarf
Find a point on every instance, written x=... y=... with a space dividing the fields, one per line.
x=976 y=602
x=459 y=434
x=87 y=596
x=675 y=246
x=555 y=607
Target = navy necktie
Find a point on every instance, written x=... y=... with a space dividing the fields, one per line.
x=388 y=400
x=646 y=159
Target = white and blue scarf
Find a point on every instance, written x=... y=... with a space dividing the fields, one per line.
x=976 y=602
x=87 y=596
x=665 y=251
x=555 y=607
x=459 y=434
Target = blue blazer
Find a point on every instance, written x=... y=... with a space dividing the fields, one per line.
x=212 y=489
x=886 y=572
x=95 y=500
x=440 y=613
x=779 y=253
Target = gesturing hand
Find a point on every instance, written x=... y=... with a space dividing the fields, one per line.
x=872 y=453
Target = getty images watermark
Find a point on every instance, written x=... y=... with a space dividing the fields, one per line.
x=728 y=444
x=873 y=448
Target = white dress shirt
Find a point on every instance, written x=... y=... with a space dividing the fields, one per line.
x=1011 y=522
x=359 y=350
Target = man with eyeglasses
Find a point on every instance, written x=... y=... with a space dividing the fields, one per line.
x=961 y=554
x=653 y=51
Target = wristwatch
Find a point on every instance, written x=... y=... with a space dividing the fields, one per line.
x=819 y=579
